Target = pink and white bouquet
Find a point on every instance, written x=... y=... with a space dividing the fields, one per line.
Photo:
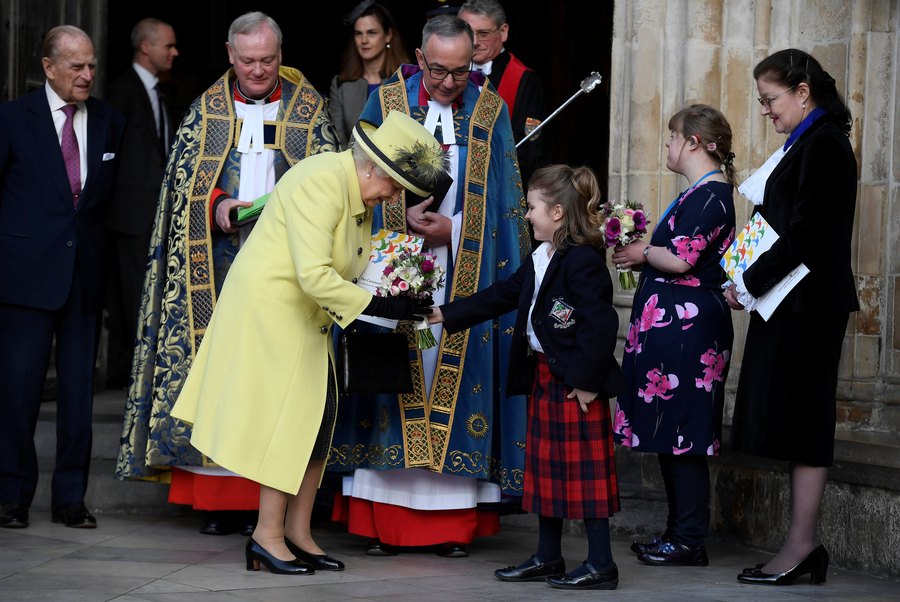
x=417 y=276
x=623 y=222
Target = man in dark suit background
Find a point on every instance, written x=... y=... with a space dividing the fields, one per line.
x=145 y=148
x=57 y=168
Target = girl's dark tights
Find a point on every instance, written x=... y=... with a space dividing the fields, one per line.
x=550 y=543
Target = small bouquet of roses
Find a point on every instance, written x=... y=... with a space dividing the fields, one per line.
x=417 y=276
x=623 y=222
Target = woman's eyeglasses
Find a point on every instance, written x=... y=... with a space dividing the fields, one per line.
x=767 y=102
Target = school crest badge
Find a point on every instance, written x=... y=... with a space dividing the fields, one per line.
x=562 y=312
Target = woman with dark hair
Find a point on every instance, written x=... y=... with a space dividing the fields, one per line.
x=785 y=405
x=373 y=54
x=679 y=339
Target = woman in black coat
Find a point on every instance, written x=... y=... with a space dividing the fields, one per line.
x=785 y=405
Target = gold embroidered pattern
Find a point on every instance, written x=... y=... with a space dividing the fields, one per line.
x=486 y=337
x=384 y=419
x=477 y=425
x=520 y=444
x=509 y=331
x=375 y=455
x=365 y=423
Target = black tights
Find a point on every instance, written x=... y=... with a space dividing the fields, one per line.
x=550 y=542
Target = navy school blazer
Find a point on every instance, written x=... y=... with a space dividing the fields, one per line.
x=573 y=319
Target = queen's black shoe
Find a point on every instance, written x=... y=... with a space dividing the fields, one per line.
x=815 y=565
x=320 y=562
x=257 y=555
x=538 y=571
x=608 y=578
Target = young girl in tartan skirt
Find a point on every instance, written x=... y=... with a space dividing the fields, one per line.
x=562 y=354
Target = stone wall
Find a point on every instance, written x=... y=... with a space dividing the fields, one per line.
x=671 y=53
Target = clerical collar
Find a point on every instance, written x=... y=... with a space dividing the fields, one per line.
x=273 y=96
x=425 y=96
x=804 y=125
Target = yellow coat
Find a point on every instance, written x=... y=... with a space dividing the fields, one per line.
x=256 y=390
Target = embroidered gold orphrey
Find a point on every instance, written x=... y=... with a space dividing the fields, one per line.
x=426 y=442
x=216 y=139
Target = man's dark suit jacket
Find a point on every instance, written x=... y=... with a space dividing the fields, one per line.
x=810 y=201
x=573 y=319
x=142 y=160
x=42 y=234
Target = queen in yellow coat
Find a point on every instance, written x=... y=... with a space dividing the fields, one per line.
x=261 y=391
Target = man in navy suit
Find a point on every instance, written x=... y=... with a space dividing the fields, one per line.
x=142 y=161
x=57 y=170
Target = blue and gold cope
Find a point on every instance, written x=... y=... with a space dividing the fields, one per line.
x=188 y=262
x=461 y=429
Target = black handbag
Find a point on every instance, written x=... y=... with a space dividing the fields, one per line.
x=373 y=363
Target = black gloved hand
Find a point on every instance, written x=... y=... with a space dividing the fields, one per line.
x=398 y=308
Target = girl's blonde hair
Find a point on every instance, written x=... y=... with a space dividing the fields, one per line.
x=714 y=132
x=577 y=191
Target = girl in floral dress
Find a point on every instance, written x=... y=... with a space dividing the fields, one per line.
x=679 y=337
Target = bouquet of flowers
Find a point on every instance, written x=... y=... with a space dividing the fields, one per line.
x=623 y=223
x=414 y=275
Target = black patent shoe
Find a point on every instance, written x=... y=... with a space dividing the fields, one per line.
x=608 y=578
x=73 y=515
x=642 y=547
x=675 y=554
x=453 y=549
x=14 y=515
x=320 y=562
x=815 y=565
x=257 y=555
x=538 y=571
x=379 y=548
x=753 y=569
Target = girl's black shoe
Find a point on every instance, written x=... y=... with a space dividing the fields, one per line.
x=320 y=562
x=538 y=571
x=815 y=565
x=608 y=578
x=257 y=555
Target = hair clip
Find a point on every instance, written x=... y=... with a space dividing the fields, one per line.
x=711 y=147
x=729 y=159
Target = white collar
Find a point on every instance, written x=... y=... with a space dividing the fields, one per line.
x=488 y=66
x=56 y=103
x=148 y=79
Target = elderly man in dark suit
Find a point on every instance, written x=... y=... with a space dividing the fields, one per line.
x=145 y=148
x=58 y=165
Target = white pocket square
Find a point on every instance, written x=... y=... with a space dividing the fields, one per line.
x=109 y=156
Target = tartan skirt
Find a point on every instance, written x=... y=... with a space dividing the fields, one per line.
x=570 y=466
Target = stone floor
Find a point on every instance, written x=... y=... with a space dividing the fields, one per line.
x=136 y=559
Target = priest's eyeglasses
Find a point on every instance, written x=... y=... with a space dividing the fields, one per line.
x=438 y=73
x=767 y=102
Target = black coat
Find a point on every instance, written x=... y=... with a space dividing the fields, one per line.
x=143 y=162
x=810 y=201
x=580 y=347
x=42 y=234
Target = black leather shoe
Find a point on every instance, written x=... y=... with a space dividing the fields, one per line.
x=74 y=515
x=452 y=549
x=642 y=547
x=14 y=515
x=608 y=578
x=538 y=571
x=379 y=548
x=257 y=555
x=219 y=523
x=320 y=562
x=753 y=569
x=675 y=554
x=815 y=565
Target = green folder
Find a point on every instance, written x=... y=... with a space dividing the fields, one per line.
x=246 y=215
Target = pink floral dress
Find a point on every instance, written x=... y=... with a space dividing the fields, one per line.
x=679 y=337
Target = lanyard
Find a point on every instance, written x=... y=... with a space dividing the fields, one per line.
x=683 y=196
